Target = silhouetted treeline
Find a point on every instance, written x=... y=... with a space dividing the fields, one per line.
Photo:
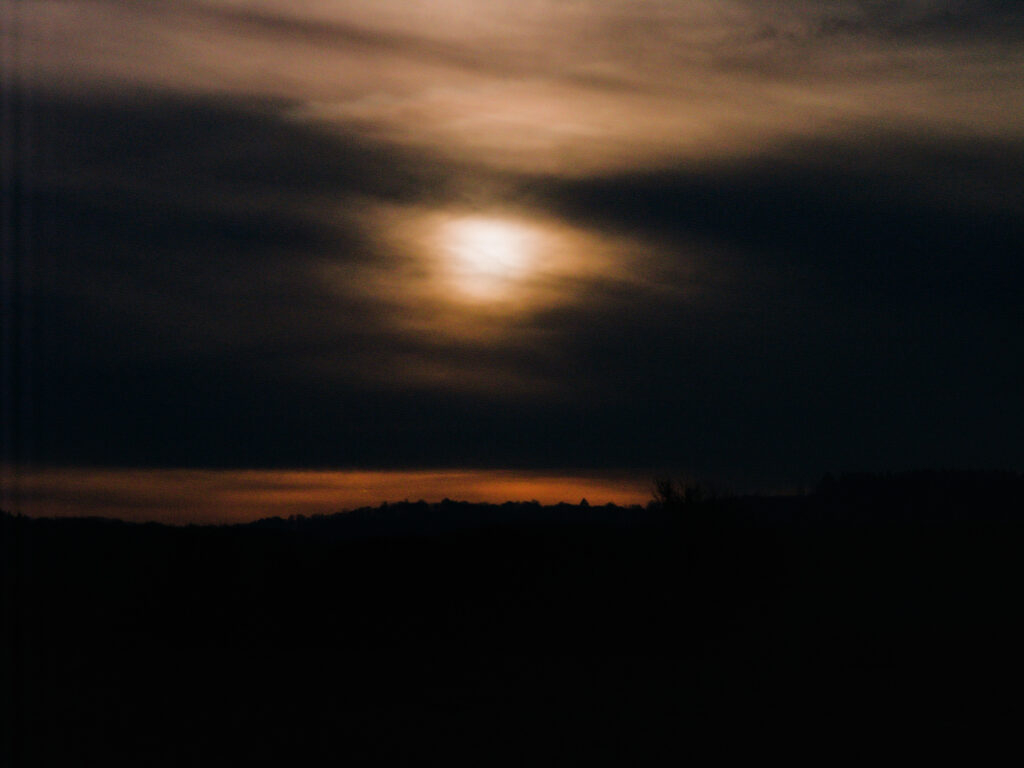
x=700 y=625
x=421 y=518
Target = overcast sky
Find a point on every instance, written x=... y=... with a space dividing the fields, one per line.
x=744 y=240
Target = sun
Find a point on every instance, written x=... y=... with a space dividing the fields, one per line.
x=487 y=257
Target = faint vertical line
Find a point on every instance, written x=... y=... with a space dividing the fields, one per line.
x=16 y=268
x=12 y=660
x=26 y=250
x=8 y=238
x=15 y=355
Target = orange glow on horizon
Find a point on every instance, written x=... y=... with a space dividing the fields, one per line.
x=201 y=496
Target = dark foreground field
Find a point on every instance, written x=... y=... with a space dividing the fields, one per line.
x=874 y=620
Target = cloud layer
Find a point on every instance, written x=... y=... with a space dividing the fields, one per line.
x=557 y=85
x=772 y=243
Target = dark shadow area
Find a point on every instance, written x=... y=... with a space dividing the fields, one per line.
x=700 y=627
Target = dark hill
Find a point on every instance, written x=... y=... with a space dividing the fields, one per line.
x=522 y=635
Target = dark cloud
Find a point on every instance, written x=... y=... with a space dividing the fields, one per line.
x=872 y=301
x=201 y=205
x=179 y=316
x=906 y=215
x=845 y=303
x=173 y=245
x=932 y=18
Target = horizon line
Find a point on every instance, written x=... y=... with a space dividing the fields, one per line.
x=195 y=495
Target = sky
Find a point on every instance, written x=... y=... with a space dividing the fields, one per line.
x=749 y=242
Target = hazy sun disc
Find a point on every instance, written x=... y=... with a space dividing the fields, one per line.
x=487 y=256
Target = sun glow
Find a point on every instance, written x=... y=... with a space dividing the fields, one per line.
x=486 y=257
x=473 y=275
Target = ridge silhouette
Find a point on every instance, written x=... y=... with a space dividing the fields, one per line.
x=703 y=624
